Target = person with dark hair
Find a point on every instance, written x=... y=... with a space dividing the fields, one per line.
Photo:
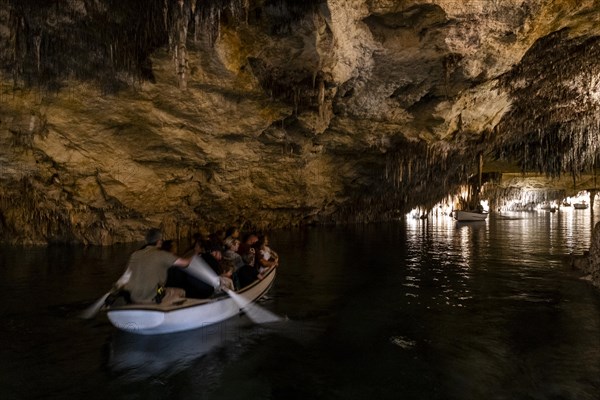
x=170 y=246
x=246 y=248
x=193 y=286
x=148 y=268
x=247 y=273
x=213 y=258
x=216 y=239
x=266 y=257
x=226 y=278
x=231 y=234
x=198 y=243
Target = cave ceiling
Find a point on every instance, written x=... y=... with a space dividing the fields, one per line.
x=193 y=115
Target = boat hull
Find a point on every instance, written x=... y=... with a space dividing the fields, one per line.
x=580 y=206
x=191 y=314
x=461 y=215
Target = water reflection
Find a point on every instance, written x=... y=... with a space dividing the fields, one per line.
x=440 y=256
x=135 y=357
x=419 y=309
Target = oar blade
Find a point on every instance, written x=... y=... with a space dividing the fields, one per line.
x=201 y=270
x=92 y=310
x=260 y=315
x=256 y=313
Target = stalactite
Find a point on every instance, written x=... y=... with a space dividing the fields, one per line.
x=196 y=26
x=561 y=115
x=165 y=11
x=178 y=38
x=321 y=99
x=208 y=16
x=37 y=42
x=296 y=91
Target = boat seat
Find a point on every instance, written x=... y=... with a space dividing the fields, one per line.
x=187 y=302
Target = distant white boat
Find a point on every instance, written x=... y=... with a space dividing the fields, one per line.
x=548 y=207
x=582 y=205
x=462 y=215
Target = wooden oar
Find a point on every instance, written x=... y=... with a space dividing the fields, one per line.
x=92 y=310
x=201 y=270
x=255 y=312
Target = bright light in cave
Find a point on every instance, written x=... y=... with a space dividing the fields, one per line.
x=582 y=197
x=547 y=205
x=415 y=213
x=442 y=209
x=525 y=203
x=486 y=205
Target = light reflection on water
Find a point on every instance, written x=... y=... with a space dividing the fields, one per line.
x=416 y=309
x=509 y=275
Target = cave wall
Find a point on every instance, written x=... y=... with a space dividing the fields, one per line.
x=589 y=263
x=116 y=116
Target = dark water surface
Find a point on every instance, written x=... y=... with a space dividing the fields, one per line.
x=408 y=310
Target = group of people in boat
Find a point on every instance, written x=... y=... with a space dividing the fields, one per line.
x=156 y=273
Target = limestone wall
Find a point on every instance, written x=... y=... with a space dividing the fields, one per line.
x=119 y=116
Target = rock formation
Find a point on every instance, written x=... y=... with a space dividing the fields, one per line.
x=120 y=115
x=589 y=263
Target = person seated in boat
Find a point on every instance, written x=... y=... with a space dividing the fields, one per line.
x=213 y=257
x=246 y=275
x=226 y=278
x=197 y=245
x=246 y=248
x=232 y=233
x=266 y=257
x=170 y=246
x=216 y=239
x=231 y=253
x=194 y=287
x=148 y=271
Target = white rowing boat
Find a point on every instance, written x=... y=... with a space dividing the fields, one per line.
x=152 y=319
x=462 y=215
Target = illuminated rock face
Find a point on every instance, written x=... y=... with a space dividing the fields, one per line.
x=117 y=116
